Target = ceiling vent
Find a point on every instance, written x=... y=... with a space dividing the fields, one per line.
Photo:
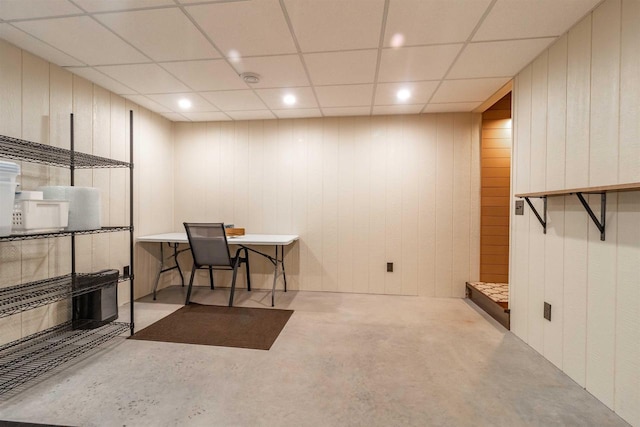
x=251 y=78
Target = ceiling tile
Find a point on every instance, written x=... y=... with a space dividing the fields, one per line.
x=298 y=113
x=398 y=109
x=497 y=59
x=103 y=6
x=419 y=22
x=207 y=117
x=246 y=27
x=147 y=103
x=251 y=115
x=235 y=100
x=273 y=98
x=275 y=71
x=336 y=24
x=456 y=107
x=175 y=117
x=174 y=37
x=21 y=9
x=170 y=100
x=80 y=37
x=470 y=90
x=344 y=96
x=346 y=111
x=511 y=19
x=335 y=68
x=106 y=82
x=35 y=46
x=144 y=78
x=416 y=63
x=386 y=93
x=206 y=75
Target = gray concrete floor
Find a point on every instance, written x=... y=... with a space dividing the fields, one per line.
x=342 y=360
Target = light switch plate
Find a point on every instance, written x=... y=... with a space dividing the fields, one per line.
x=519 y=207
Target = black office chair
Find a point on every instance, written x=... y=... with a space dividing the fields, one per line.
x=210 y=250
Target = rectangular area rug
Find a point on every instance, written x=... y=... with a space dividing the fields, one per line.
x=255 y=328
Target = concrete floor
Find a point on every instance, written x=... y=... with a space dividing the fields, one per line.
x=342 y=360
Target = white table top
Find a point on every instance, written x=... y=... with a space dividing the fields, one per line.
x=247 y=239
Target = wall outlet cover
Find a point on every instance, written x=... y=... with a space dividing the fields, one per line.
x=547 y=311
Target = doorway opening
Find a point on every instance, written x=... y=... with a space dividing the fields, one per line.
x=491 y=293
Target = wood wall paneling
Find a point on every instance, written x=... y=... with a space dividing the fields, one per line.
x=627 y=331
x=427 y=208
x=495 y=196
x=361 y=192
x=444 y=203
x=519 y=265
x=588 y=123
x=393 y=203
x=557 y=115
x=578 y=104
x=629 y=168
x=605 y=94
x=601 y=297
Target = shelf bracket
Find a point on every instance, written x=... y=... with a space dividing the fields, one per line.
x=543 y=222
x=603 y=212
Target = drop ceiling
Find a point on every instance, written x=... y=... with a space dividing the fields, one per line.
x=337 y=57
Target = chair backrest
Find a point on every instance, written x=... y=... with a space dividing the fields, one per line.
x=208 y=243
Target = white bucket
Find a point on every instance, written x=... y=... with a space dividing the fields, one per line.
x=8 y=173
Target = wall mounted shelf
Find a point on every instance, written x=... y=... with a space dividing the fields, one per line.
x=580 y=192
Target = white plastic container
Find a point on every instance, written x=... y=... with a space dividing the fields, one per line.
x=29 y=195
x=85 y=211
x=8 y=173
x=40 y=216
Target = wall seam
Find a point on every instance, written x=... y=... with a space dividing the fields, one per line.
x=586 y=329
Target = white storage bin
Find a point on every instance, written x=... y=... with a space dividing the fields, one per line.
x=40 y=216
x=8 y=173
x=29 y=195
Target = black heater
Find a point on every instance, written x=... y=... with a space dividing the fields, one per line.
x=99 y=306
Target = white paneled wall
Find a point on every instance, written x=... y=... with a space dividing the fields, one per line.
x=37 y=99
x=576 y=125
x=360 y=192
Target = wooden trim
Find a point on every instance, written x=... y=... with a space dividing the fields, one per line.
x=500 y=93
x=632 y=186
x=491 y=307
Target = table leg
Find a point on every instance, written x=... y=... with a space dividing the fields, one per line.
x=275 y=278
x=284 y=274
x=155 y=286
x=175 y=259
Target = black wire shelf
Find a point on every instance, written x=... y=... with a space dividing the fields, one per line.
x=27 y=296
x=24 y=361
x=14 y=237
x=20 y=149
x=28 y=358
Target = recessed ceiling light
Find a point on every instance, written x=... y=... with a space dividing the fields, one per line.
x=403 y=94
x=184 y=103
x=397 y=40
x=289 y=99
x=250 y=77
x=234 y=56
